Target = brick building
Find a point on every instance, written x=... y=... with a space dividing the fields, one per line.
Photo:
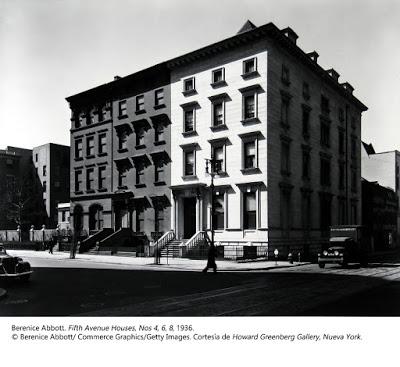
x=51 y=162
x=120 y=160
x=285 y=132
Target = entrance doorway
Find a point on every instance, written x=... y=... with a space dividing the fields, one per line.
x=189 y=217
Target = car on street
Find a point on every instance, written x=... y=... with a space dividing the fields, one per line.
x=13 y=266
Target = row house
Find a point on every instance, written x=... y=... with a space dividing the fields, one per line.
x=284 y=132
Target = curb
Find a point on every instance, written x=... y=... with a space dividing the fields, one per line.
x=3 y=293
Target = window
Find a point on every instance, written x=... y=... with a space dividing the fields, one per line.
x=139 y=137
x=325 y=133
x=285 y=210
x=285 y=157
x=306 y=91
x=218 y=153
x=249 y=210
x=122 y=111
x=218 y=117
x=189 y=159
x=78 y=180
x=189 y=85
x=218 y=76
x=44 y=170
x=140 y=103
x=325 y=211
x=36 y=157
x=78 y=149
x=325 y=105
x=122 y=140
x=90 y=179
x=90 y=146
x=219 y=215
x=341 y=210
x=341 y=175
x=353 y=122
x=159 y=133
x=158 y=172
x=101 y=113
x=341 y=115
x=285 y=102
x=63 y=216
x=189 y=120
x=285 y=77
x=44 y=186
x=158 y=219
x=325 y=174
x=306 y=122
x=249 y=106
x=249 y=66
x=139 y=220
x=121 y=177
x=79 y=122
x=159 y=97
x=102 y=177
x=341 y=141
x=249 y=152
x=89 y=118
x=102 y=143
x=139 y=173
x=306 y=210
x=306 y=164
x=353 y=212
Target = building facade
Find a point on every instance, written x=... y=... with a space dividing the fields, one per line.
x=286 y=134
x=384 y=168
x=120 y=170
x=51 y=162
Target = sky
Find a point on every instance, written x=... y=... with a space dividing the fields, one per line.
x=51 y=49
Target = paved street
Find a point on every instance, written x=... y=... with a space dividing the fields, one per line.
x=97 y=286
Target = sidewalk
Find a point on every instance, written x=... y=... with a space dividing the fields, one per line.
x=147 y=263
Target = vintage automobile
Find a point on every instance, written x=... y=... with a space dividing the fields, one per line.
x=13 y=267
x=346 y=245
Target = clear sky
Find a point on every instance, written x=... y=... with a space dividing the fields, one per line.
x=50 y=49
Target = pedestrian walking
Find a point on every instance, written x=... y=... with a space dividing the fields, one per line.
x=51 y=245
x=211 y=260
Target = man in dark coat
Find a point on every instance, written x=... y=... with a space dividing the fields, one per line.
x=211 y=260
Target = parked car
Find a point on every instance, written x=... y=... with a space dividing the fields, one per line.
x=347 y=244
x=13 y=267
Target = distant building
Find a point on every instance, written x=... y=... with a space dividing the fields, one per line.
x=52 y=167
x=383 y=168
x=379 y=214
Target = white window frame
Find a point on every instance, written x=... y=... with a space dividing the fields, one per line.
x=218 y=81
x=254 y=93
x=193 y=79
x=219 y=145
x=248 y=189
x=213 y=103
x=186 y=109
x=247 y=139
x=185 y=151
x=244 y=72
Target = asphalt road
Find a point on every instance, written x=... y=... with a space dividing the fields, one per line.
x=114 y=290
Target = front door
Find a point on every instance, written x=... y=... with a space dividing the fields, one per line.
x=189 y=217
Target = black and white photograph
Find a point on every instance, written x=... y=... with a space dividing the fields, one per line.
x=199 y=174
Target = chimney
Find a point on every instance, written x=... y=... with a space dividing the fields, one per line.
x=313 y=56
x=116 y=77
x=290 y=34
x=333 y=74
x=348 y=87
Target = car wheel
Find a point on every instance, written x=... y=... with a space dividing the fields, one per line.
x=321 y=265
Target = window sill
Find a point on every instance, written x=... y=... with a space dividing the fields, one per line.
x=159 y=183
x=218 y=127
x=189 y=177
x=121 y=117
x=122 y=187
x=78 y=192
x=250 y=75
x=159 y=106
x=102 y=154
x=140 y=112
x=91 y=191
x=221 y=83
x=122 y=150
x=140 y=185
x=250 y=121
x=102 y=190
x=160 y=142
x=249 y=171
x=140 y=146
x=189 y=133
x=78 y=159
x=190 y=92
x=90 y=156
